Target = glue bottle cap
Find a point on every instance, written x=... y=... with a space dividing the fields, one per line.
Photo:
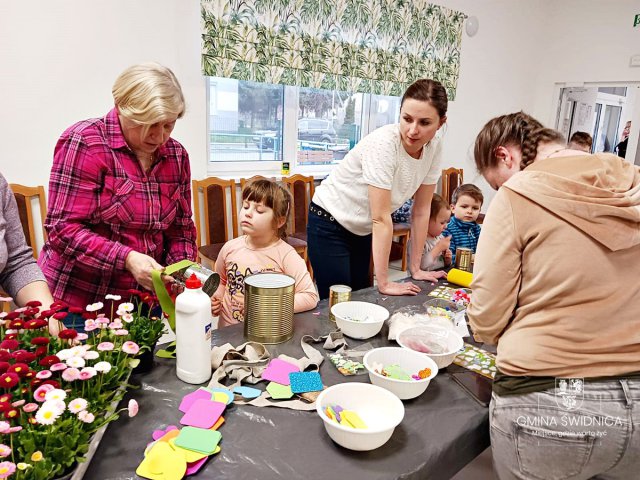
x=193 y=282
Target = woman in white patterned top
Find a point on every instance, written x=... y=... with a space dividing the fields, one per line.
x=350 y=213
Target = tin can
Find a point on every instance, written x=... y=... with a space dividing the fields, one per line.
x=463 y=258
x=337 y=294
x=268 y=307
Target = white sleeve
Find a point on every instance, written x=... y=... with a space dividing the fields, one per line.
x=379 y=160
x=435 y=170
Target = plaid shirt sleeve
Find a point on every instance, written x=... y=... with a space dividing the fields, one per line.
x=180 y=237
x=74 y=189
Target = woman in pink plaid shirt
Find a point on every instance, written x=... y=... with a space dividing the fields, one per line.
x=119 y=193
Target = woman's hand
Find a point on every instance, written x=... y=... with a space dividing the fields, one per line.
x=141 y=266
x=429 y=276
x=394 y=288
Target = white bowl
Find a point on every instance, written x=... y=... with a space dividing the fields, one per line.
x=450 y=340
x=375 y=315
x=378 y=408
x=410 y=361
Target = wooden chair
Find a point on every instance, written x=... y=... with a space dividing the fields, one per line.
x=298 y=244
x=216 y=216
x=452 y=178
x=24 y=196
x=302 y=189
x=403 y=232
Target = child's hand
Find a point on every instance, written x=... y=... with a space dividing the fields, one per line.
x=216 y=306
x=448 y=257
x=442 y=245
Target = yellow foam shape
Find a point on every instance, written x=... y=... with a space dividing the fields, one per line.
x=220 y=397
x=353 y=418
x=344 y=422
x=460 y=277
x=329 y=414
x=162 y=463
x=189 y=455
x=217 y=450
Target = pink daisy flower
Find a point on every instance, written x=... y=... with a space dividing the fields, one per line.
x=77 y=405
x=5 y=451
x=130 y=347
x=30 y=407
x=17 y=404
x=121 y=332
x=7 y=469
x=41 y=392
x=82 y=337
x=57 y=367
x=87 y=373
x=105 y=346
x=91 y=355
x=4 y=427
x=133 y=408
x=86 y=417
x=14 y=429
x=71 y=374
x=42 y=374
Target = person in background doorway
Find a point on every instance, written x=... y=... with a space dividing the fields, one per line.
x=350 y=213
x=555 y=286
x=120 y=193
x=580 y=141
x=621 y=148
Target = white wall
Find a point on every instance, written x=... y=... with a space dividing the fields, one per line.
x=58 y=61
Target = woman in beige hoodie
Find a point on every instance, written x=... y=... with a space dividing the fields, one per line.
x=556 y=286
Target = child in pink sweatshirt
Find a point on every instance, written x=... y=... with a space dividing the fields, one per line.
x=263 y=218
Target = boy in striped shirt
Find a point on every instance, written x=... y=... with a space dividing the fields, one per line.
x=463 y=229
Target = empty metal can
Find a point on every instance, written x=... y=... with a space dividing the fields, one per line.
x=268 y=307
x=463 y=258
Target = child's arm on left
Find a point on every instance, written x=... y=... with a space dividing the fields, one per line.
x=306 y=296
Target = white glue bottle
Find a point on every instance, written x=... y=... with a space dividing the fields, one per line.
x=193 y=333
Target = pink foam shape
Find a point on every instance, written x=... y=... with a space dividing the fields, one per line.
x=203 y=414
x=193 y=467
x=278 y=371
x=189 y=399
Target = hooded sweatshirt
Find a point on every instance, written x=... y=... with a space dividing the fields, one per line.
x=557 y=271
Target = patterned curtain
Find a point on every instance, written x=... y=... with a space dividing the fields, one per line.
x=369 y=46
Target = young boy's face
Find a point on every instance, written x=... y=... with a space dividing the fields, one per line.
x=466 y=208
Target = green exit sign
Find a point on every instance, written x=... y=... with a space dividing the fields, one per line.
x=636 y=20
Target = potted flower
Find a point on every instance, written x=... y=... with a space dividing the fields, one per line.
x=57 y=392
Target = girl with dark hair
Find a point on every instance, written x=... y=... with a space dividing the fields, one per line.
x=350 y=213
x=555 y=286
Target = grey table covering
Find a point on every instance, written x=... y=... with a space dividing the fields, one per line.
x=442 y=431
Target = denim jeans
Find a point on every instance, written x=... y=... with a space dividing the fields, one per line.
x=536 y=436
x=337 y=255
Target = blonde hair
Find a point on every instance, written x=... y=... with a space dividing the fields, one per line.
x=517 y=129
x=272 y=195
x=148 y=93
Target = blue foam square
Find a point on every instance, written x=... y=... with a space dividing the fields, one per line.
x=302 y=382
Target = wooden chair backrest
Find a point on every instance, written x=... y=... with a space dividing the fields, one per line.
x=302 y=189
x=24 y=196
x=452 y=178
x=216 y=211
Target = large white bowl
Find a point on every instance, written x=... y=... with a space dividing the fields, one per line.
x=410 y=361
x=452 y=342
x=375 y=313
x=378 y=408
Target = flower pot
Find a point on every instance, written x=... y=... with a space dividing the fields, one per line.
x=146 y=362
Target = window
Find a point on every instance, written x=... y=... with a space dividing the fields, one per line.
x=253 y=127
x=245 y=121
x=329 y=125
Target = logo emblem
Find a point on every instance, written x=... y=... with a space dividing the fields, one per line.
x=569 y=393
